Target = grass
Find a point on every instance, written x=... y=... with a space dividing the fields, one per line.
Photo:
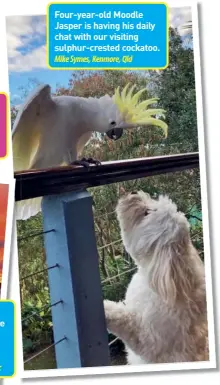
x=46 y=360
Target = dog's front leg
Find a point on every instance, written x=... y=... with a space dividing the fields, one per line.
x=121 y=322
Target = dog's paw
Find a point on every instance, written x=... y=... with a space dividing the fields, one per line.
x=111 y=314
x=116 y=316
x=113 y=310
x=109 y=307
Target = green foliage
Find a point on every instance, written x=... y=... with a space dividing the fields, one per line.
x=36 y=325
x=32 y=260
x=34 y=292
x=175 y=87
x=14 y=112
x=97 y=84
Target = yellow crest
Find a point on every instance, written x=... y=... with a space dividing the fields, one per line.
x=136 y=112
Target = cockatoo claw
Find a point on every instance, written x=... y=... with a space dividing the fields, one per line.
x=86 y=162
x=92 y=161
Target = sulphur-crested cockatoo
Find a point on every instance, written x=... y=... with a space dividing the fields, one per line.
x=52 y=131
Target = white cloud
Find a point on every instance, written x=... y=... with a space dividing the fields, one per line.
x=14 y=96
x=179 y=17
x=34 y=59
x=23 y=31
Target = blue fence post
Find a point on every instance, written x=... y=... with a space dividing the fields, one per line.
x=76 y=281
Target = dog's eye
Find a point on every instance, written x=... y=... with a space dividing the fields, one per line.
x=148 y=211
x=134 y=192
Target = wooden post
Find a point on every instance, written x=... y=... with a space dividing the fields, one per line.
x=72 y=245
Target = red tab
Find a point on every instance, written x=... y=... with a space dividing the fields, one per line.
x=3 y=125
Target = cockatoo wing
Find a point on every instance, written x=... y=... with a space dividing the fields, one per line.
x=28 y=125
x=26 y=134
x=28 y=208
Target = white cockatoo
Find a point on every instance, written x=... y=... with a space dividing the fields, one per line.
x=51 y=131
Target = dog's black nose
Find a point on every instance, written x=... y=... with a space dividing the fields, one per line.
x=134 y=192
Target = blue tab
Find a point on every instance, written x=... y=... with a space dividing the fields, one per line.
x=7 y=339
x=107 y=36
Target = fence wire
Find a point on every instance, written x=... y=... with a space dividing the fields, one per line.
x=111 y=248
x=119 y=275
x=44 y=350
x=39 y=272
x=37 y=234
x=34 y=314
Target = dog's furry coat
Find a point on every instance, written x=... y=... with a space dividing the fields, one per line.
x=163 y=317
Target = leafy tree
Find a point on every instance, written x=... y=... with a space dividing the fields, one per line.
x=14 y=112
x=175 y=87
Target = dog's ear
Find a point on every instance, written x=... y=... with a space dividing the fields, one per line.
x=170 y=271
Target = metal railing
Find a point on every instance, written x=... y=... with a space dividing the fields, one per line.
x=37 y=183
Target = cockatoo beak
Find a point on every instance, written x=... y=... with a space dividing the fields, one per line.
x=115 y=133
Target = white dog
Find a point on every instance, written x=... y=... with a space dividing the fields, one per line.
x=163 y=317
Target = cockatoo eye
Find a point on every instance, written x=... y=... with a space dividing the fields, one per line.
x=112 y=123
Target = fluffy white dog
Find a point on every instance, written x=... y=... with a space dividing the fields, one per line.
x=163 y=317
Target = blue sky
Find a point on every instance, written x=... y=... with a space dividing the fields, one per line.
x=26 y=42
